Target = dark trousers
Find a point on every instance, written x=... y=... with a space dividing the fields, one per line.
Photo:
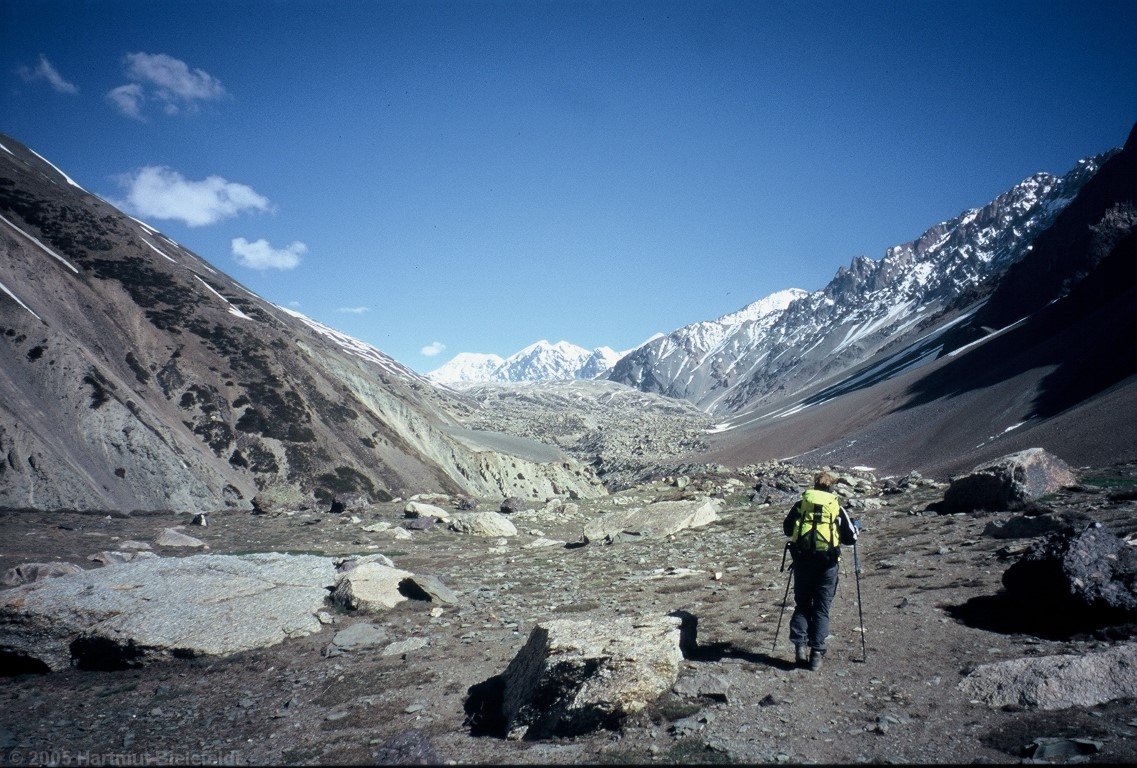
x=814 y=587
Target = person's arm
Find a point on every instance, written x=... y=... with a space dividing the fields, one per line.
x=845 y=528
x=790 y=522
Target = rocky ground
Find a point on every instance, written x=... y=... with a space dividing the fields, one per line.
x=624 y=434
x=924 y=584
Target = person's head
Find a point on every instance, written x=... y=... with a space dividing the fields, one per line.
x=823 y=481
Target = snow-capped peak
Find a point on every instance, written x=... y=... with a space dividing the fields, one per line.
x=467 y=367
x=774 y=303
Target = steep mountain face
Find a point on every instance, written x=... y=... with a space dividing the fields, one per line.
x=803 y=340
x=540 y=361
x=1048 y=358
x=134 y=375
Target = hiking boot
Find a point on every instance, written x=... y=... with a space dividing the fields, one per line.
x=815 y=659
x=801 y=658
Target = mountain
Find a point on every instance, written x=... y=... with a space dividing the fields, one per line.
x=1045 y=356
x=467 y=367
x=134 y=375
x=791 y=341
x=540 y=361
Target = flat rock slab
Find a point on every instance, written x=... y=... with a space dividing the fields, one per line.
x=211 y=605
x=655 y=520
x=360 y=636
x=573 y=676
x=1056 y=682
x=490 y=524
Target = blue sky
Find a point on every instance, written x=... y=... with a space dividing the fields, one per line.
x=474 y=176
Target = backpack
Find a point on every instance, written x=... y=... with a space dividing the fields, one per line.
x=816 y=536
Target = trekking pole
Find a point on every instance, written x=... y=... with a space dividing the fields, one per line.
x=785 y=597
x=860 y=607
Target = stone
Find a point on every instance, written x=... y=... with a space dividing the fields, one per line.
x=377 y=527
x=129 y=544
x=360 y=636
x=541 y=543
x=396 y=534
x=200 y=519
x=421 y=524
x=482 y=524
x=110 y=557
x=513 y=504
x=1023 y=527
x=408 y=748
x=466 y=504
x=201 y=605
x=430 y=588
x=171 y=537
x=657 y=520
x=704 y=685
x=1077 y=570
x=431 y=498
x=1056 y=682
x=1009 y=483
x=1059 y=749
x=405 y=646
x=278 y=499
x=345 y=564
x=417 y=509
x=370 y=586
x=574 y=676
x=27 y=573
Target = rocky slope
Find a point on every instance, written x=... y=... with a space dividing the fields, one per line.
x=727 y=366
x=1048 y=360
x=623 y=433
x=135 y=375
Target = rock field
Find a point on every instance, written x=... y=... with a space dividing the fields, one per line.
x=407 y=683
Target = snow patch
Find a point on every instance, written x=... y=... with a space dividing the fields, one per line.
x=46 y=250
x=16 y=299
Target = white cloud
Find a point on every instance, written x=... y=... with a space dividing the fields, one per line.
x=261 y=255
x=433 y=349
x=45 y=70
x=163 y=193
x=128 y=99
x=169 y=81
x=354 y=310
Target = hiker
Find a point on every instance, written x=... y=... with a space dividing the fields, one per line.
x=817 y=527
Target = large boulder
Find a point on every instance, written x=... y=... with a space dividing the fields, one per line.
x=1056 y=682
x=370 y=586
x=572 y=677
x=663 y=518
x=1009 y=483
x=482 y=524
x=120 y=615
x=1077 y=571
x=418 y=510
